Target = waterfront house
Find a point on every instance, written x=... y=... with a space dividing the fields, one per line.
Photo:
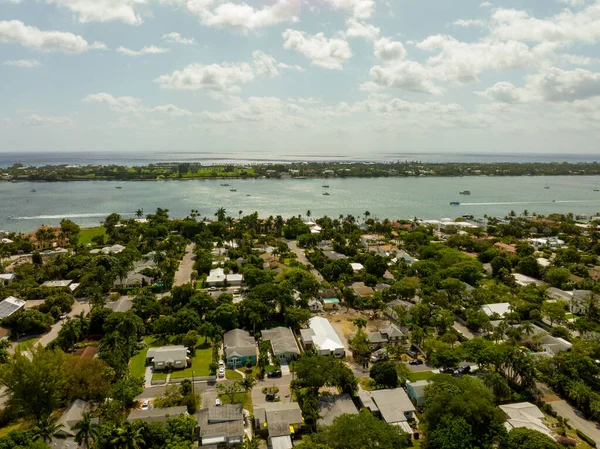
x=167 y=357
x=283 y=343
x=239 y=347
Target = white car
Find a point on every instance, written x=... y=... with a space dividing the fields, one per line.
x=212 y=289
x=145 y=404
x=221 y=363
x=218 y=402
x=221 y=372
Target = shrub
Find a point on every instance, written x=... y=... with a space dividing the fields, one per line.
x=585 y=438
x=566 y=442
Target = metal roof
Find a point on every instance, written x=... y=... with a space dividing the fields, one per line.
x=10 y=305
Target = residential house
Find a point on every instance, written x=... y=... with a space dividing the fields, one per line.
x=133 y=279
x=393 y=405
x=416 y=392
x=333 y=255
x=278 y=420
x=321 y=336
x=315 y=305
x=361 y=290
x=57 y=284
x=330 y=303
x=391 y=312
x=334 y=406
x=167 y=357
x=550 y=242
x=403 y=255
x=115 y=249
x=10 y=305
x=357 y=266
x=554 y=345
x=500 y=309
x=71 y=417
x=283 y=343
x=524 y=281
x=524 y=414
x=217 y=277
x=7 y=278
x=506 y=248
x=160 y=415
x=390 y=335
x=239 y=347
x=221 y=426
x=558 y=294
x=51 y=237
x=385 y=250
x=370 y=239
x=578 y=304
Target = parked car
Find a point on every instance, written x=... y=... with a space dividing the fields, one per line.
x=221 y=363
x=221 y=372
x=274 y=373
x=146 y=405
x=212 y=289
x=416 y=362
x=412 y=354
x=218 y=402
x=447 y=370
x=271 y=397
x=465 y=369
x=379 y=357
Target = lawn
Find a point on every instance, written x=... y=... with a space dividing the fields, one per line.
x=422 y=375
x=230 y=374
x=27 y=345
x=17 y=425
x=87 y=234
x=137 y=364
x=239 y=398
x=200 y=365
x=159 y=376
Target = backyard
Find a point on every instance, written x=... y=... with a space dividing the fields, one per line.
x=137 y=364
x=87 y=234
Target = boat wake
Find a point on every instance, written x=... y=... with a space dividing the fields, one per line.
x=508 y=203
x=55 y=217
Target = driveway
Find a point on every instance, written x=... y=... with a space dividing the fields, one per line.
x=186 y=266
x=283 y=383
x=299 y=252
x=590 y=428
x=78 y=307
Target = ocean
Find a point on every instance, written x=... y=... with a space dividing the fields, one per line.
x=87 y=203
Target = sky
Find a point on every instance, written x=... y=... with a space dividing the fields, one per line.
x=314 y=77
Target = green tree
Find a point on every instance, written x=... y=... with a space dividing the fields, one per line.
x=555 y=311
x=86 y=429
x=127 y=388
x=129 y=436
x=529 y=266
x=523 y=438
x=360 y=347
x=498 y=263
x=47 y=428
x=557 y=276
x=362 y=431
x=385 y=374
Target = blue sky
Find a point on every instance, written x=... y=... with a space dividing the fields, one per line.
x=344 y=77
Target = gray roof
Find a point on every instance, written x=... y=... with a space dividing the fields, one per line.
x=366 y=400
x=226 y=420
x=334 y=406
x=376 y=337
x=157 y=414
x=281 y=442
x=282 y=340
x=333 y=255
x=392 y=404
x=307 y=334
x=166 y=353
x=72 y=416
x=279 y=429
x=278 y=412
x=419 y=387
x=238 y=342
x=392 y=332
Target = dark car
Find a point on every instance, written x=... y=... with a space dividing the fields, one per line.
x=271 y=397
x=466 y=369
x=274 y=373
x=416 y=362
x=412 y=354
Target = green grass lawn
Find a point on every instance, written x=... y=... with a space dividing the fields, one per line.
x=87 y=234
x=239 y=398
x=422 y=375
x=230 y=374
x=137 y=364
x=200 y=365
x=159 y=376
x=27 y=345
x=17 y=425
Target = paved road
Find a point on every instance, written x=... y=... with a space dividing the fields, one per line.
x=186 y=266
x=78 y=307
x=590 y=428
x=299 y=252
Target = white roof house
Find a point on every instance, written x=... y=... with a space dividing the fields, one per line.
x=10 y=305
x=524 y=281
x=217 y=276
x=357 y=266
x=524 y=414
x=501 y=308
x=7 y=277
x=323 y=337
x=56 y=284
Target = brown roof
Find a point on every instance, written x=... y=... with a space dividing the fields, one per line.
x=362 y=290
x=594 y=273
x=510 y=249
x=89 y=352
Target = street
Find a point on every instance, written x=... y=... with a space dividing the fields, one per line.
x=186 y=266
x=588 y=427
x=299 y=252
x=78 y=307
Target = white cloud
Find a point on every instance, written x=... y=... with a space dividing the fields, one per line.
x=362 y=9
x=39 y=120
x=241 y=16
x=554 y=84
x=485 y=5
x=469 y=23
x=125 y=11
x=361 y=29
x=224 y=77
x=14 y=31
x=23 y=63
x=574 y=3
x=323 y=52
x=119 y=104
x=264 y=65
x=283 y=65
x=151 y=50
x=503 y=92
x=564 y=28
x=464 y=61
x=405 y=75
x=172 y=110
x=388 y=50
x=176 y=38
x=577 y=59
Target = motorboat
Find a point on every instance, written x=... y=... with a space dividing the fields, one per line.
x=465 y=192
x=454 y=203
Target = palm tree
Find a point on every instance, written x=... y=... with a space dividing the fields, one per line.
x=367 y=215
x=221 y=214
x=47 y=428
x=247 y=383
x=240 y=212
x=71 y=333
x=253 y=443
x=86 y=430
x=139 y=213
x=129 y=437
x=308 y=213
